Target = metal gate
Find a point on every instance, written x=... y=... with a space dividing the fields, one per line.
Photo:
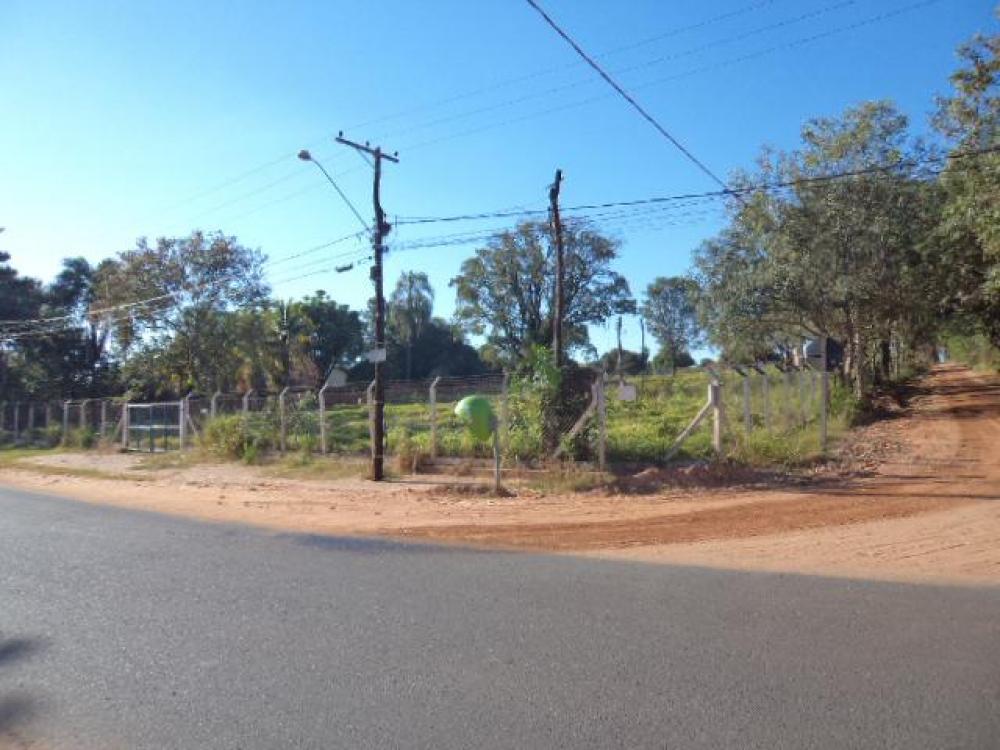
x=154 y=428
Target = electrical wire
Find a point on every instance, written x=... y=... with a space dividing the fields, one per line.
x=628 y=97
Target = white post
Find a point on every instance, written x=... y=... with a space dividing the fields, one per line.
x=125 y=425
x=322 y=420
x=182 y=408
x=82 y=421
x=718 y=408
x=213 y=406
x=17 y=420
x=747 y=421
x=282 y=417
x=602 y=424
x=65 y=436
x=246 y=401
x=433 y=408
x=104 y=417
x=31 y=417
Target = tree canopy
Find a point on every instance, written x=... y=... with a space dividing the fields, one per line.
x=505 y=291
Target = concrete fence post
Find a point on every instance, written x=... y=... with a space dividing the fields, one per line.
x=125 y=424
x=246 y=401
x=213 y=406
x=321 y=398
x=602 y=423
x=182 y=408
x=17 y=420
x=718 y=414
x=65 y=424
x=31 y=417
x=82 y=422
x=104 y=418
x=283 y=418
x=432 y=403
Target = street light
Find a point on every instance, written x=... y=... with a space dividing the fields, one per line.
x=304 y=155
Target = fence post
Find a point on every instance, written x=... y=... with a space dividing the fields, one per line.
x=718 y=409
x=283 y=417
x=125 y=425
x=182 y=408
x=31 y=417
x=246 y=401
x=17 y=420
x=213 y=406
x=434 y=421
x=747 y=420
x=322 y=419
x=104 y=418
x=65 y=431
x=602 y=424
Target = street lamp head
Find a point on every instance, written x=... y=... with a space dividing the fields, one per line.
x=304 y=155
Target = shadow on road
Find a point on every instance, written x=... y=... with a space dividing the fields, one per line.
x=16 y=708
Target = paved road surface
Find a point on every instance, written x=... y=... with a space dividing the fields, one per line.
x=121 y=629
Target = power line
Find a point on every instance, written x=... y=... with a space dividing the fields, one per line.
x=625 y=95
x=404 y=221
x=440 y=103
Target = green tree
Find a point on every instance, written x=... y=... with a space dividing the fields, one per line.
x=190 y=282
x=506 y=290
x=338 y=333
x=670 y=308
x=409 y=311
x=970 y=231
x=846 y=257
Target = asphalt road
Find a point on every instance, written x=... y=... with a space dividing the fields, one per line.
x=123 y=629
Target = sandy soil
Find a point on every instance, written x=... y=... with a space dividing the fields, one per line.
x=929 y=512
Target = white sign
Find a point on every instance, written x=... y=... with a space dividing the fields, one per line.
x=626 y=392
x=376 y=355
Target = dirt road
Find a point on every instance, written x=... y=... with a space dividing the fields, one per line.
x=929 y=513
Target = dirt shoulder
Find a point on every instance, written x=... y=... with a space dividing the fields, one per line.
x=928 y=512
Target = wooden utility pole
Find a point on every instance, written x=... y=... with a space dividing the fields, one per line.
x=382 y=228
x=558 y=307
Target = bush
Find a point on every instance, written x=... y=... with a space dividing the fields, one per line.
x=81 y=437
x=233 y=436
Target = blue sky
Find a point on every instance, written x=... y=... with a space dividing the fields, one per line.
x=127 y=119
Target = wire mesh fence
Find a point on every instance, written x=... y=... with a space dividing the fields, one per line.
x=640 y=420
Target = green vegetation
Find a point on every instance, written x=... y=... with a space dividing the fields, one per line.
x=975 y=350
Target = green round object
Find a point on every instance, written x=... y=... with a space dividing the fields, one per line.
x=477 y=413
